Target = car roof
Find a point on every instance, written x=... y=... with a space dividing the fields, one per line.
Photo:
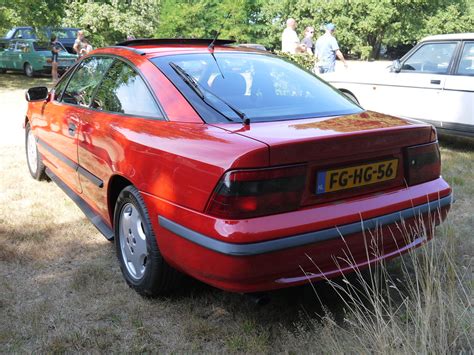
x=160 y=46
x=44 y=28
x=451 y=36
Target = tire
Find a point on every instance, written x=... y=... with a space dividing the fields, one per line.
x=351 y=97
x=2 y=71
x=33 y=158
x=141 y=262
x=28 y=70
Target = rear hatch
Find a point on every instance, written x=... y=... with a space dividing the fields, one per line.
x=346 y=155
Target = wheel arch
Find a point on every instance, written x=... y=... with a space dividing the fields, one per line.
x=116 y=184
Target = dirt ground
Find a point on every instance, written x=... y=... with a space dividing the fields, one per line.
x=61 y=288
x=13 y=105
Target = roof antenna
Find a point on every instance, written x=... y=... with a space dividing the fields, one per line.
x=211 y=45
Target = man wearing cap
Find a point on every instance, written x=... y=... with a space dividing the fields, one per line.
x=327 y=49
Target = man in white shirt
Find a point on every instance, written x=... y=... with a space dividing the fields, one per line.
x=289 y=38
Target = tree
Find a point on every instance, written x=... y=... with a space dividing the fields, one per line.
x=364 y=25
x=109 y=22
x=33 y=13
x=454 y=18
x=233 y=19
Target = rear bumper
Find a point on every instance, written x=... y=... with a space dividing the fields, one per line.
x=301 y=239
x=264 y=259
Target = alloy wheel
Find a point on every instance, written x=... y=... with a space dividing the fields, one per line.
x=133 y=241
x=32 y=152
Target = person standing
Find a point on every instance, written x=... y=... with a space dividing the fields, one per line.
x=327 y=49
x=86 y=47
x=79 y=43
x=55 y=49
x=289 y=38
x=308 y=39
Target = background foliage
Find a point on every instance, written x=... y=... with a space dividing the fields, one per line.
x=363 y=26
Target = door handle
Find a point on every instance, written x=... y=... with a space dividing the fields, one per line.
x=71 y=129
x=437 y=82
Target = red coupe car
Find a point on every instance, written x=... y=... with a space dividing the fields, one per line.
x=232 y=165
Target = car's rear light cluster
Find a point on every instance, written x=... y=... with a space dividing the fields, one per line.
x=258 y=192
x=422 y=163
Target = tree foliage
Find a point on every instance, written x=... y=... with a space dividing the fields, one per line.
x=31 y=13
x=233 y=19
x=108 y=22
x=304 y=60
x=363 y=26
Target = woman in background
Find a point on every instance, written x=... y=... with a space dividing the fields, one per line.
x=308 y=39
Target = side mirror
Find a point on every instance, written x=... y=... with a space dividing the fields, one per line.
x=396 y=66
x=39 y=93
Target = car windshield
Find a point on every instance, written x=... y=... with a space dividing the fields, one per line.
x=263 y=87
x=65 y=33
x=10 y=33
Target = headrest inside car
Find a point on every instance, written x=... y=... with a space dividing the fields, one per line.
x=232 y=84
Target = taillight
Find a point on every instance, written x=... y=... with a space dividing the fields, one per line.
x=258 y=192
x=422 y=163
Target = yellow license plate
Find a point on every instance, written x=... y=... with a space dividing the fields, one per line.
x=355 y=176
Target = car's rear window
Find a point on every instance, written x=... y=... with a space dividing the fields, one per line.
x=263 y=87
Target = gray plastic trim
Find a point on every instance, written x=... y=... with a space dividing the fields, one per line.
x=301 y=239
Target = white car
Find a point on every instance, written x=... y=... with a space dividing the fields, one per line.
x=434 y=82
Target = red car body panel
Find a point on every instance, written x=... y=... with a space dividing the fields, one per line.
x=177 y=163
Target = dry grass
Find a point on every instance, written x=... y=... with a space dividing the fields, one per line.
x=61 y=288
x=420 y=304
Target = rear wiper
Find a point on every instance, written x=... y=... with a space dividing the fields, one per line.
x=188 y=79
x=199 y=90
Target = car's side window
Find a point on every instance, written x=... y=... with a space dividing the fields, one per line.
x=20 y=46
x=84 y=81
x=24 y=47
x=16 y=47
x=466 y=63
x=124 y=91
x=431 y=58
x=59 y=88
